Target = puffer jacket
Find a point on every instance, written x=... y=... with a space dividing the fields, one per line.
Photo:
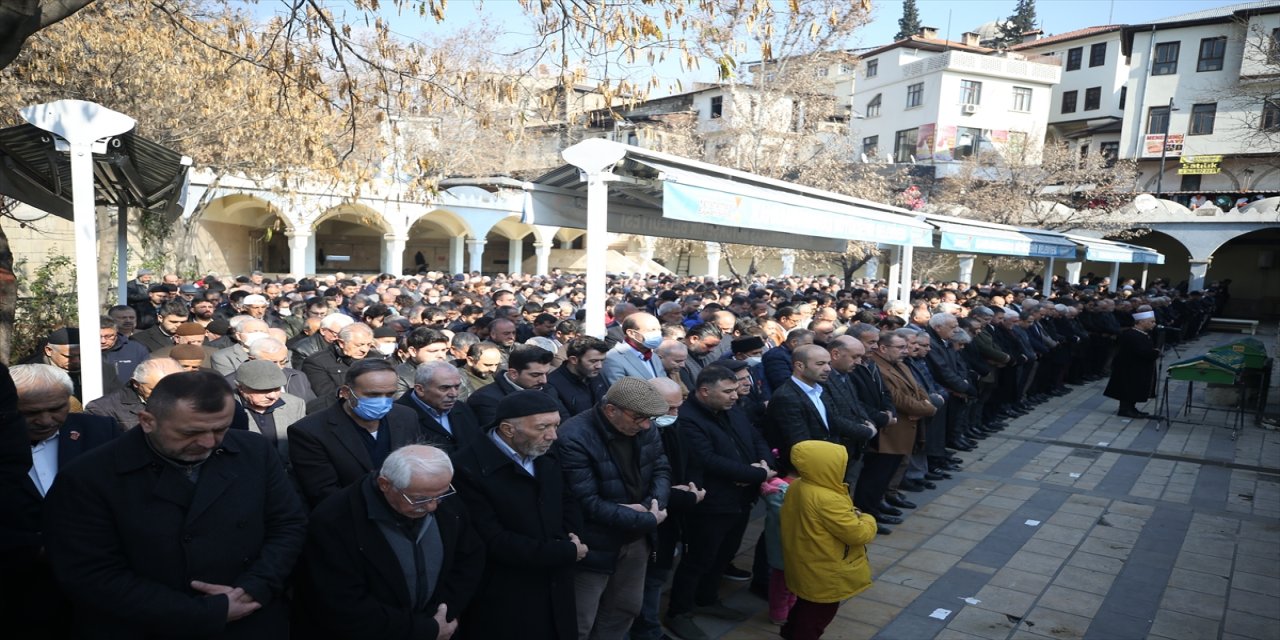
x=823 y=538
x=593 y=479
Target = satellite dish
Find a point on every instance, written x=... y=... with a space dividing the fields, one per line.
x=864 y=158
x=1146 y=202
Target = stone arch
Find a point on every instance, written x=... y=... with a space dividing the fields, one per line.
x=1177 y=257
x=354 y=213
x=1251 y=260
x=435 y=236
x=349 y=237
x=239 y=233
x=450 y=221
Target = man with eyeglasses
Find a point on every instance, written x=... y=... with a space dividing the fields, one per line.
x=393 y=555
x=616 y=470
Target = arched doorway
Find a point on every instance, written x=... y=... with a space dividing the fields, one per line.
x=1252 y=264
x=349 y=238
x=1177 y=258
x=239 y=233
x=433 y=240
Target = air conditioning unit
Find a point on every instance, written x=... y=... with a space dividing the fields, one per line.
x=969 y=109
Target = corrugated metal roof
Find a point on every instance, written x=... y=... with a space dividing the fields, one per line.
x=1218 y=12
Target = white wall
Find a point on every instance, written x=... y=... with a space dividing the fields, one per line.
x=1110 y=77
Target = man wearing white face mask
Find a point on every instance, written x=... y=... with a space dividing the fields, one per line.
x=636 y=355
x=248 y=331
x=386 y=340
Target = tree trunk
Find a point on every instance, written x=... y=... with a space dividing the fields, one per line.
x=8 y=297
x=850 y=266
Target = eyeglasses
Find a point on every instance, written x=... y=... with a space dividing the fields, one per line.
x=637 y=417
x=422 y=502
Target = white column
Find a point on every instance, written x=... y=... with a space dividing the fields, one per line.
x=475 y=253
x=906 y=255
x=393 y=253
x=455 y=253
x=1048 y=278
x=1073 y=272
x=1199 y=269
x=515 y=255
x=596 y=158
x=788 y=263
x=966 y=269
x=542 y=257
x=1144 y=276
x=1115 y=277
x=299 y=250
x=895 y=270
x=713 y=259
x=871 y=270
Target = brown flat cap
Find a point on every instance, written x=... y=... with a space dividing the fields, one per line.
x=189 y=329
x=635 y=394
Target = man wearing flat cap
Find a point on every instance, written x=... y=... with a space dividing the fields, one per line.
x=523 y=513
x=192 y=333
x=614 y=466
x=263 y=407
x=137 y=288
x=1133 y=371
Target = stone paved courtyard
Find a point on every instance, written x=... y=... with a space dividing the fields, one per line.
x=1143 y=532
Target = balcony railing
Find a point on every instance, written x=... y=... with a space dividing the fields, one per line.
x=1042 y=69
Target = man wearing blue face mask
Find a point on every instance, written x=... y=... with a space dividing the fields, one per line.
x=339 y=446
x=636 y=355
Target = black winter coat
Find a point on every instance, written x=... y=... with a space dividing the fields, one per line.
x=524 y=522
x=1133 y=371
x=724 y=445
x=593 y=478
x=574 y=394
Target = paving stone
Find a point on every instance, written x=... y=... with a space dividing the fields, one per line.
x=1250 y=626
x=1116 y=535
x=1056 y=624
x=1002 y=502
x=1055 y=549
x=986 y=515
x=1206 y=583
x=843 y=628
x=1265 y=567
x=981 y=623
x=1255 y=583
x=1018 y=580
x=890 y=593
x=958 y=546
x=922 y=524
x=1094 y=562
x=1066 y=600
x=1267 y=605
x=899 y=539
x=908 y=577
x=929 y=561
x=935 y=510
x=1035 y=563
x=1115 y=626
x=952 y=634
x=967 y=530
x=1193 y=602
x=976 y=568
x=1180 y=626
x=1205 y=564
x=1095 y=582
x=1005 y=600
x=1015 y=491
x=1066 y=518
x=876 y=614
x=1055 y=533
x=1108 y=548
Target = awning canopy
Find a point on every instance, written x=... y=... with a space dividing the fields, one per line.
x=1100 y=250
x=969 y=236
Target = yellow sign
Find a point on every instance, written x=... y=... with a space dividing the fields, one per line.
x=1199 y=159
x=1199 y=165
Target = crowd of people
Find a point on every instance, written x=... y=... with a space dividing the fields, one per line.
x=457 y=456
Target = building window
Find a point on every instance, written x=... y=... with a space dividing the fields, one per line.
x=873 y=68
x=822 y=72
x=1021 y=98
x=1092 y=98
x=1212 y=50
x=1190 y=183
x=1270 y=116
x=845 y=69
x=1124 y=91
x=915 y=95
x=1069 y=101
x=873 y=107
x=1098 y=54
x=967 y=141
x=1110 y=151
x=970 y=92
x=871 y=146
x=1073 y=58
x=717 y=107
x=1273 y=47
x=1202 y=116
x=1166 y=61
x=1158 y=120
x=904 y=145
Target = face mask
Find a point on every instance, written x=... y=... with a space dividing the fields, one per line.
x=754 y=360
x=664 y=421
x=285 y=312
x=250 y=338
x=653 y=340
x=386 y=348
x=371 y=408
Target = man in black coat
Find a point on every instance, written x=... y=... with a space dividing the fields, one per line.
x=615 y=468
x=393 y=556
x=846 y=356
x=339 y=446
x=793 y=415
x=528 y=522
x=734 y=460
x=1133 y=372
x=527 y=368
x=577 y=384
x=126 y=405
x=444 y=422
x=327 y=368
x=56 y=438
x=179 y=527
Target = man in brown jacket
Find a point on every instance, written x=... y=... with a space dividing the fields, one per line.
x=885 y=452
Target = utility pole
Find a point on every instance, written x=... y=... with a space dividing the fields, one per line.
x=1164 y=147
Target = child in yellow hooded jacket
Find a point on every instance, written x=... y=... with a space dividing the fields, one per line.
x=824 y=539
